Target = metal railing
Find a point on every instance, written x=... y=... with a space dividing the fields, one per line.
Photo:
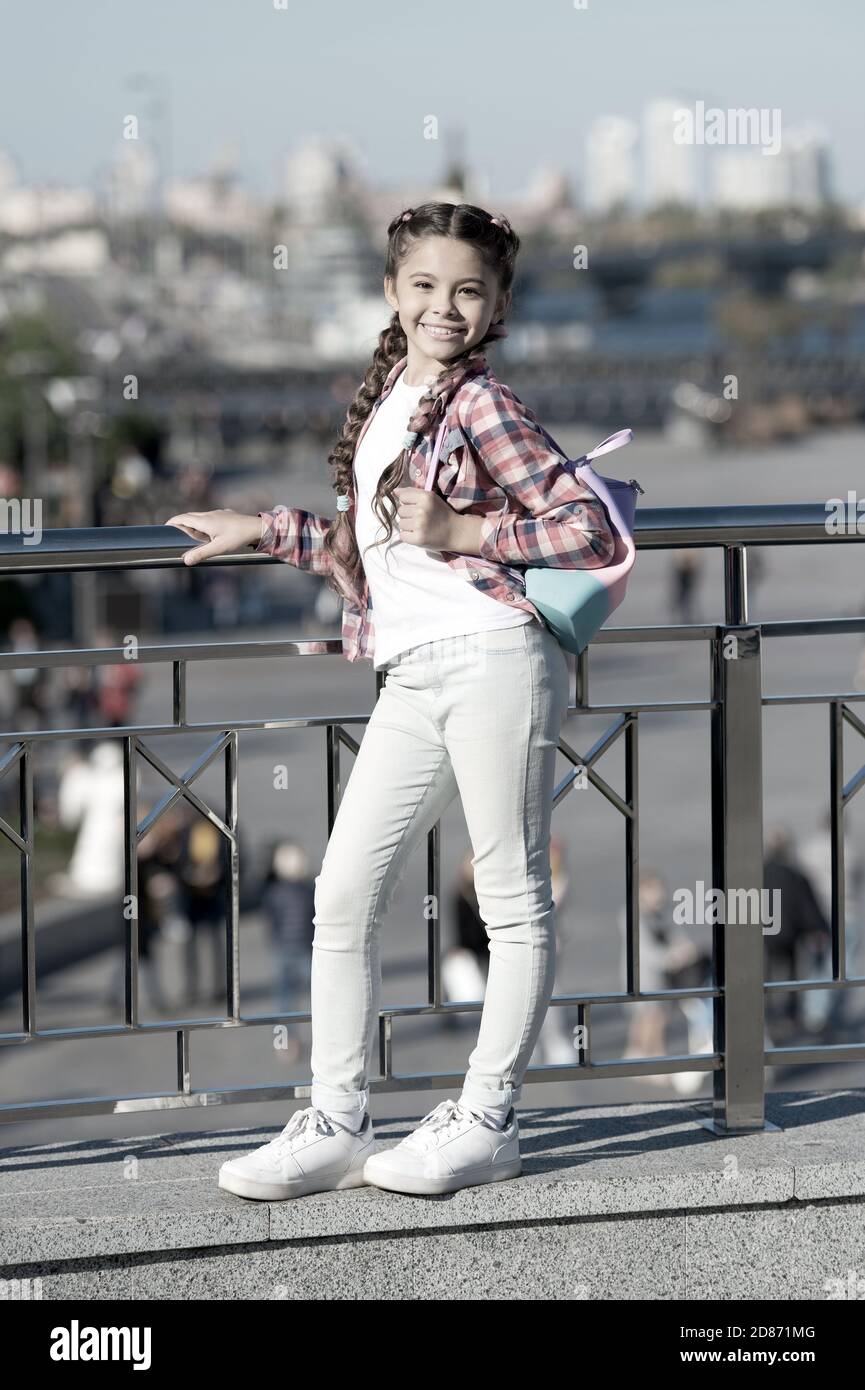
x=735 y=705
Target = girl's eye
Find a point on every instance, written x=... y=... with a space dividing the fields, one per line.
x=424 y=284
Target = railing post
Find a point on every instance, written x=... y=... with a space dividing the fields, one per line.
x=737 y=862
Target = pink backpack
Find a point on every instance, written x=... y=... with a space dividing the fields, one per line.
x=575 y=603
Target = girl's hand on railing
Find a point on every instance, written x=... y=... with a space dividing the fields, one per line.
x=227 y=532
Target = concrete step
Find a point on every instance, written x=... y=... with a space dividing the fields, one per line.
x=614 y=1202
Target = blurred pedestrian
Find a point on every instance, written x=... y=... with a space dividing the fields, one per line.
x=805 y=932
x=156 y=889
x=670 y=958
x=464 y=965
x=116 y=687
x=28 y=685
x=203 y=877
x=90 y=795
x=288 y=901
x=80 y=696
x=685 y=575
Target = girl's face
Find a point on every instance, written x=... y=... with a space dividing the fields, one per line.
x=446 y=297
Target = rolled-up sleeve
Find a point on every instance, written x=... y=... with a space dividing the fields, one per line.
x=558 y=520
x=297 y=537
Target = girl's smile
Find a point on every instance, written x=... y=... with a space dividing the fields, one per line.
x=436 y=330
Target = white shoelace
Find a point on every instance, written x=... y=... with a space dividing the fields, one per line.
x=303 y=1126
x=440 y=1122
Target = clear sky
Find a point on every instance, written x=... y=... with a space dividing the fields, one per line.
x=522 y=79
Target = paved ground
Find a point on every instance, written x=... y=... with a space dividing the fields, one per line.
x=674 y=771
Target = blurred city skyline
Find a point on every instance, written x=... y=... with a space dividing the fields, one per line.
x=233 y=88
x=205 y=193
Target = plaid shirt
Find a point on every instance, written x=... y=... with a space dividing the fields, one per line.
x=494 y=462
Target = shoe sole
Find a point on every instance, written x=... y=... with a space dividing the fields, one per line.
x=434 y=1187
x=280 y=1191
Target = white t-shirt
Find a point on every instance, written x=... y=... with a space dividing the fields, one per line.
x=416 y=596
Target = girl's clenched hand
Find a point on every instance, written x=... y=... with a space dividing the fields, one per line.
x=424 y=518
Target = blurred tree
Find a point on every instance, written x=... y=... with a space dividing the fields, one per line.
x=749 y=321
x=32 y=339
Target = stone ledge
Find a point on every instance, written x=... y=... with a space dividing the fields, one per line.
x=88 y=1200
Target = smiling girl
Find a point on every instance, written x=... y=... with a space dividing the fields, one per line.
x=475 y=692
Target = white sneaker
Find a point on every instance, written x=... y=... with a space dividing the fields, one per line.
x=312 y=1154
x=453 y=1146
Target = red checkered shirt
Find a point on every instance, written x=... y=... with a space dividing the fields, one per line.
x=494 y=462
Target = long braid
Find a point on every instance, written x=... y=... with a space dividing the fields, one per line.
x=340 y=540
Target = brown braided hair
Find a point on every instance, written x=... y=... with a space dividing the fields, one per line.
x=498 y=244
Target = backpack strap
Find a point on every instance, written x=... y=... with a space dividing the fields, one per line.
x=431 y=471
x=606 y=446
x=612 y=441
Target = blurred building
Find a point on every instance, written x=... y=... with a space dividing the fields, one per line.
x=130 y=180
x=28 y=209
x=669 y=169
x=610 y=164
x=51 y=227
x=744 y=179
x=215 y=201
x=548 y=192
x=322 y=177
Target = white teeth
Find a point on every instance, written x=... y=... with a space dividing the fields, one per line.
x=441 y=332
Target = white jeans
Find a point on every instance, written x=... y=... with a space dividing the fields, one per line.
x=480 y=715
